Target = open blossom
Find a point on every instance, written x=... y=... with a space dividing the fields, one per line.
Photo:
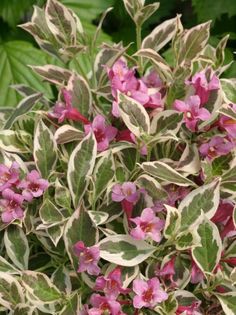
x=104 y=305
x=152 y=80
x=228 y=123
x=103 y=133
x=8 y=176
x=64 y=110
x=33 y=186
x=196 y=274
x=217 y=146
x=88 y=258
x=148 y=293
x=11 y=206
x=147 y=225
x=192 y=111
x=112 y=284
x=204 y=82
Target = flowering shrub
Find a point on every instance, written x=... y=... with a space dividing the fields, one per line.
x=119 y=197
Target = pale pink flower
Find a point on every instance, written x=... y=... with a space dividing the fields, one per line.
x=192 y=309
x=148 y=293
x=228 y=123
x=192 y=111
x=103 y=133
x=64 y=110
x=217 y=146
x=8 y=176
x=196 y=274
x=33 y=186
x=204 y=82
x=10 y=206
x=112 y=284
x=152 y=80
x=104 y=305
x=88 y=258
x=147 y=225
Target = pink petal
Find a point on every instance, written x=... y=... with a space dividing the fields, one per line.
x=140 y=286
x=147 y=215
x=181 y=106
x=204 y=114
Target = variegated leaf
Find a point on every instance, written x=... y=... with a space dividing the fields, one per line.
x=98 y=217
x=80 y=167
x=15 y=141
x=227 y=301
x=145 y=12
x=5 y=266
x=189 y=162
x=168 y=121
x=172 y=222
x=227 y=111
x=67 y=133
x=229 y=89
x=11 y=293
x=151 y=185
x=53 y=74
x=62 y=195
x=49 y=213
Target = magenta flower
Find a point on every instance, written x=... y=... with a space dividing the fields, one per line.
x=228 y=123
x=204 y=82
x=196 y=274
x=152 y=80
x=11 y=206
x=62 y=111
x=34 y=186
x=88 y=258
x=112 y=284
x=192 y=309
x=147 y=225
x=192 y=111
x=8 y=176
x=217 y=146
x=149 y=293
x=103 y=134
x=104 y=305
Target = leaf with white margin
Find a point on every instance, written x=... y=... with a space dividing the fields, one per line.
x=45 y=149
x=134 y=115
x=168 y=120
x=207 y=255
x=227 y=110
x=17 y=247
x=49 y=213
x=162 y=34
x=152 y=186
x=166 y=173
x=98 y=217
x=81 y=96
x=40 y=287
x=10 y=141
x=80 y=167
x=172 y=222
x=227 y=301
x=229 y=89
x=189 y=162
x=205 y=198
x=53 y=74
x=24 y=309
x=55 y=233
x=11 y=293
x=79 y=228
x=61 y=279
x=5 y=266
x=124 y=250
x=145 y=12
x=67 y=133
x=62 y=195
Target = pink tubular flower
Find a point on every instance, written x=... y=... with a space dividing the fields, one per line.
x=88 y=258
x=204 y=82
x=112 y=284
x=127 y=135
x=103 y=134
x=11 y=206
x=196 y=274
x=149 y=293
x=192 y=309
x=34 y=186
x=228 y=123
x=192 y=111
x=8 y=176
x=147 y=225
x=62 y=111
x=104 y=305
x=217 y=146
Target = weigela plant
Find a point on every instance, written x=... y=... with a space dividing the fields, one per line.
x=118 y=196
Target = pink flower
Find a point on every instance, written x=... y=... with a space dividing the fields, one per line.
x=104 y=305
x=196 y=274
x=34 y=186
x=8 y=176
x=88 y=258
x=62 y=111
x=103 y=134
x=112 y=284
x=149 y=293
x=152 y=80
x=127 y=135
x=217 y=146
x=228 y=123
x=192 y=111
x=204 y=82
x=192 y=309
x=147 y=225
x=11 y=206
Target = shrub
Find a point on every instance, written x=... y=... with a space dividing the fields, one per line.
x=119 y=197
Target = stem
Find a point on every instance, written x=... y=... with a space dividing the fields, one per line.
x=139 y=43
x=81 y=70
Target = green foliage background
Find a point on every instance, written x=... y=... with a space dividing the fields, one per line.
x=18 y=49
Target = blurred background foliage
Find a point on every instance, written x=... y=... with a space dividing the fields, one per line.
x=18 y=49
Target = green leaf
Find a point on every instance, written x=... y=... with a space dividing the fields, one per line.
x=166 y=173
x=166 y=122
x=172 y=222
x=207 y=255
x=227 y=301
x=67 y=133
x=17 y=247
x=184 y=240
x=229 y=89
x=45 y=159
x=229 y=176
x=40 y=287
x=144 y=13
x=124 y=250
x=49 y=214
x=11 y=293
x=62 y=195
x=15 y=56
x=5 y=266
x=98 y=217
x=134 y=115
x=79 y=228
x=61 y=279
x=15 y=141
x=204 y=198
x=80 y=166
x=153 y=188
